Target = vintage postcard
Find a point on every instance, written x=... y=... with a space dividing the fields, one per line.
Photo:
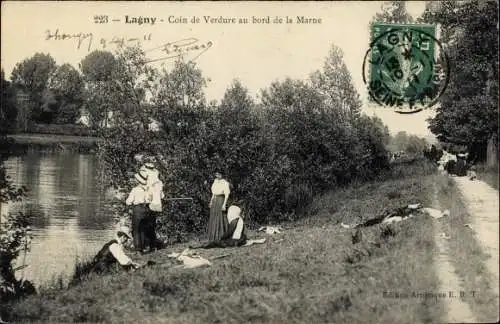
x=235 y=162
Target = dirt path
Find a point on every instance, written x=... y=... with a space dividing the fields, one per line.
x=457 y=310
x=482 y=205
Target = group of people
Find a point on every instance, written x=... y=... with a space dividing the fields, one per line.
x=454 y=163
x=225 y=225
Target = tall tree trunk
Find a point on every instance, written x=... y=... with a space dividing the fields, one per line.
x=492 y=152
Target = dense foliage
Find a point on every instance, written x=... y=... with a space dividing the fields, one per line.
x=15 y=236
x=301 y=138
x=412 y=144
x=468 y=112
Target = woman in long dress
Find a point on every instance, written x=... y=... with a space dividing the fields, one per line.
x=217 y=223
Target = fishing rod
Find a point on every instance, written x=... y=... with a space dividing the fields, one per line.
x=181 y=198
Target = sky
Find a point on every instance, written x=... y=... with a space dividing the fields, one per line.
x=256 y=53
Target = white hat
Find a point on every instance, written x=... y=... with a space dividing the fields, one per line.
x=124 y=230
x=141 y=177
x=149 y=165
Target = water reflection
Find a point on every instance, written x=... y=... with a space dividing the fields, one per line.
x=69 y=213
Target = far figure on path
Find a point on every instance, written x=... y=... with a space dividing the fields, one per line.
x=217 y=223
x=461 y=166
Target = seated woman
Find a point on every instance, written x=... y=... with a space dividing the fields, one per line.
x=235 y=235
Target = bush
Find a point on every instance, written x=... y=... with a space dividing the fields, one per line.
x=15 y=236
x=276 y=156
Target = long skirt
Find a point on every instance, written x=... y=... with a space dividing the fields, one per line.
x=140 y=215
x=217 y=223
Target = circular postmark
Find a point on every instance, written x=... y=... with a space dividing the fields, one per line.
x=405 y=68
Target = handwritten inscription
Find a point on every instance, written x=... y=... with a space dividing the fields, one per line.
x=81 y=38
x=180 y=48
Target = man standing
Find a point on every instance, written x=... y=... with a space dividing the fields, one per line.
x=139 y=200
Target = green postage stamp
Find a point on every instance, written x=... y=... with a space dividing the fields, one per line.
x=405 y=67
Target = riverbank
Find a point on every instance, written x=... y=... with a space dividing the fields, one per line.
x=312 y=272
x=51 y=142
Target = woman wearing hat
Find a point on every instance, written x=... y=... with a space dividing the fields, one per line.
x=138 y=199
x=217 y=223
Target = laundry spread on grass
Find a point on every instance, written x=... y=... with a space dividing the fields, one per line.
x=399 y=214
x=190 y=259
x=271 y=230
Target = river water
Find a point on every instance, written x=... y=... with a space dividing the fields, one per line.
x=70 y=215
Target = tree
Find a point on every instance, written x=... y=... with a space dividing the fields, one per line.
x=468 y=110
x=335 y=83
x=413 y=144
x=392 y=12
x=64 y=95
x=98 y=66
x=416 y=145
x=399 y=141
x=8 y=111
x=237 y=135
x=121 y=89
x=236 y=100
x=32 y=75
x=183 y=86
x=97 y=70
x=369 y=152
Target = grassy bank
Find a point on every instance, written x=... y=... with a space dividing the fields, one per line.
x=466 y=254
x=52 y=142
x=312 y=272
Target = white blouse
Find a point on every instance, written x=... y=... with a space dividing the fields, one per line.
x=234 y=212
x=220 y=187
x=120 y=256
x=138 y=195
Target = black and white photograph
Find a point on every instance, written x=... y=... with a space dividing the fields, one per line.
x=249 y=162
